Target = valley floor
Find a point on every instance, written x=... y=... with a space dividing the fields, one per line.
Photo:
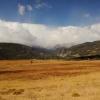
x=49 y=80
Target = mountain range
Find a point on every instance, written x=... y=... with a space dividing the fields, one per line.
x=88 y=50
x=19 y=51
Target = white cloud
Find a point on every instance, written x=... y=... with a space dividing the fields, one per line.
x=42 y=35
x=29 y=7
x=42 y=5
x=21 y=9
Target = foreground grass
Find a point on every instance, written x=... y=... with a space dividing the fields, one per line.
x=50 y=80
x=83 y=87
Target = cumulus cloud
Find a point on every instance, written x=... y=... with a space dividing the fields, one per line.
x=45 y=36
x=15 y=33
x=21 y=9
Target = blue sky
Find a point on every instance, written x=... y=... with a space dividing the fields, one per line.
x=52 y=12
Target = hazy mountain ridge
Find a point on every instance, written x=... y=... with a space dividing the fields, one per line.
x=88 y=50
x=19 y=51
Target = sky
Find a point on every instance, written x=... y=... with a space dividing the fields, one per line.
x=51 y=12
x=48 y=23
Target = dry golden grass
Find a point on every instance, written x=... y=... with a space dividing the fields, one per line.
x=39 y=69
x=49 y=80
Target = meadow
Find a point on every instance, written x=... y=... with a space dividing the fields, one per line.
x=49 y=80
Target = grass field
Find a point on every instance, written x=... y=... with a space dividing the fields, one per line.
x=49 y=80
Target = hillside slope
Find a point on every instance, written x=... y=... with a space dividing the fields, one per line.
x=18 y=51
x=88 y=50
